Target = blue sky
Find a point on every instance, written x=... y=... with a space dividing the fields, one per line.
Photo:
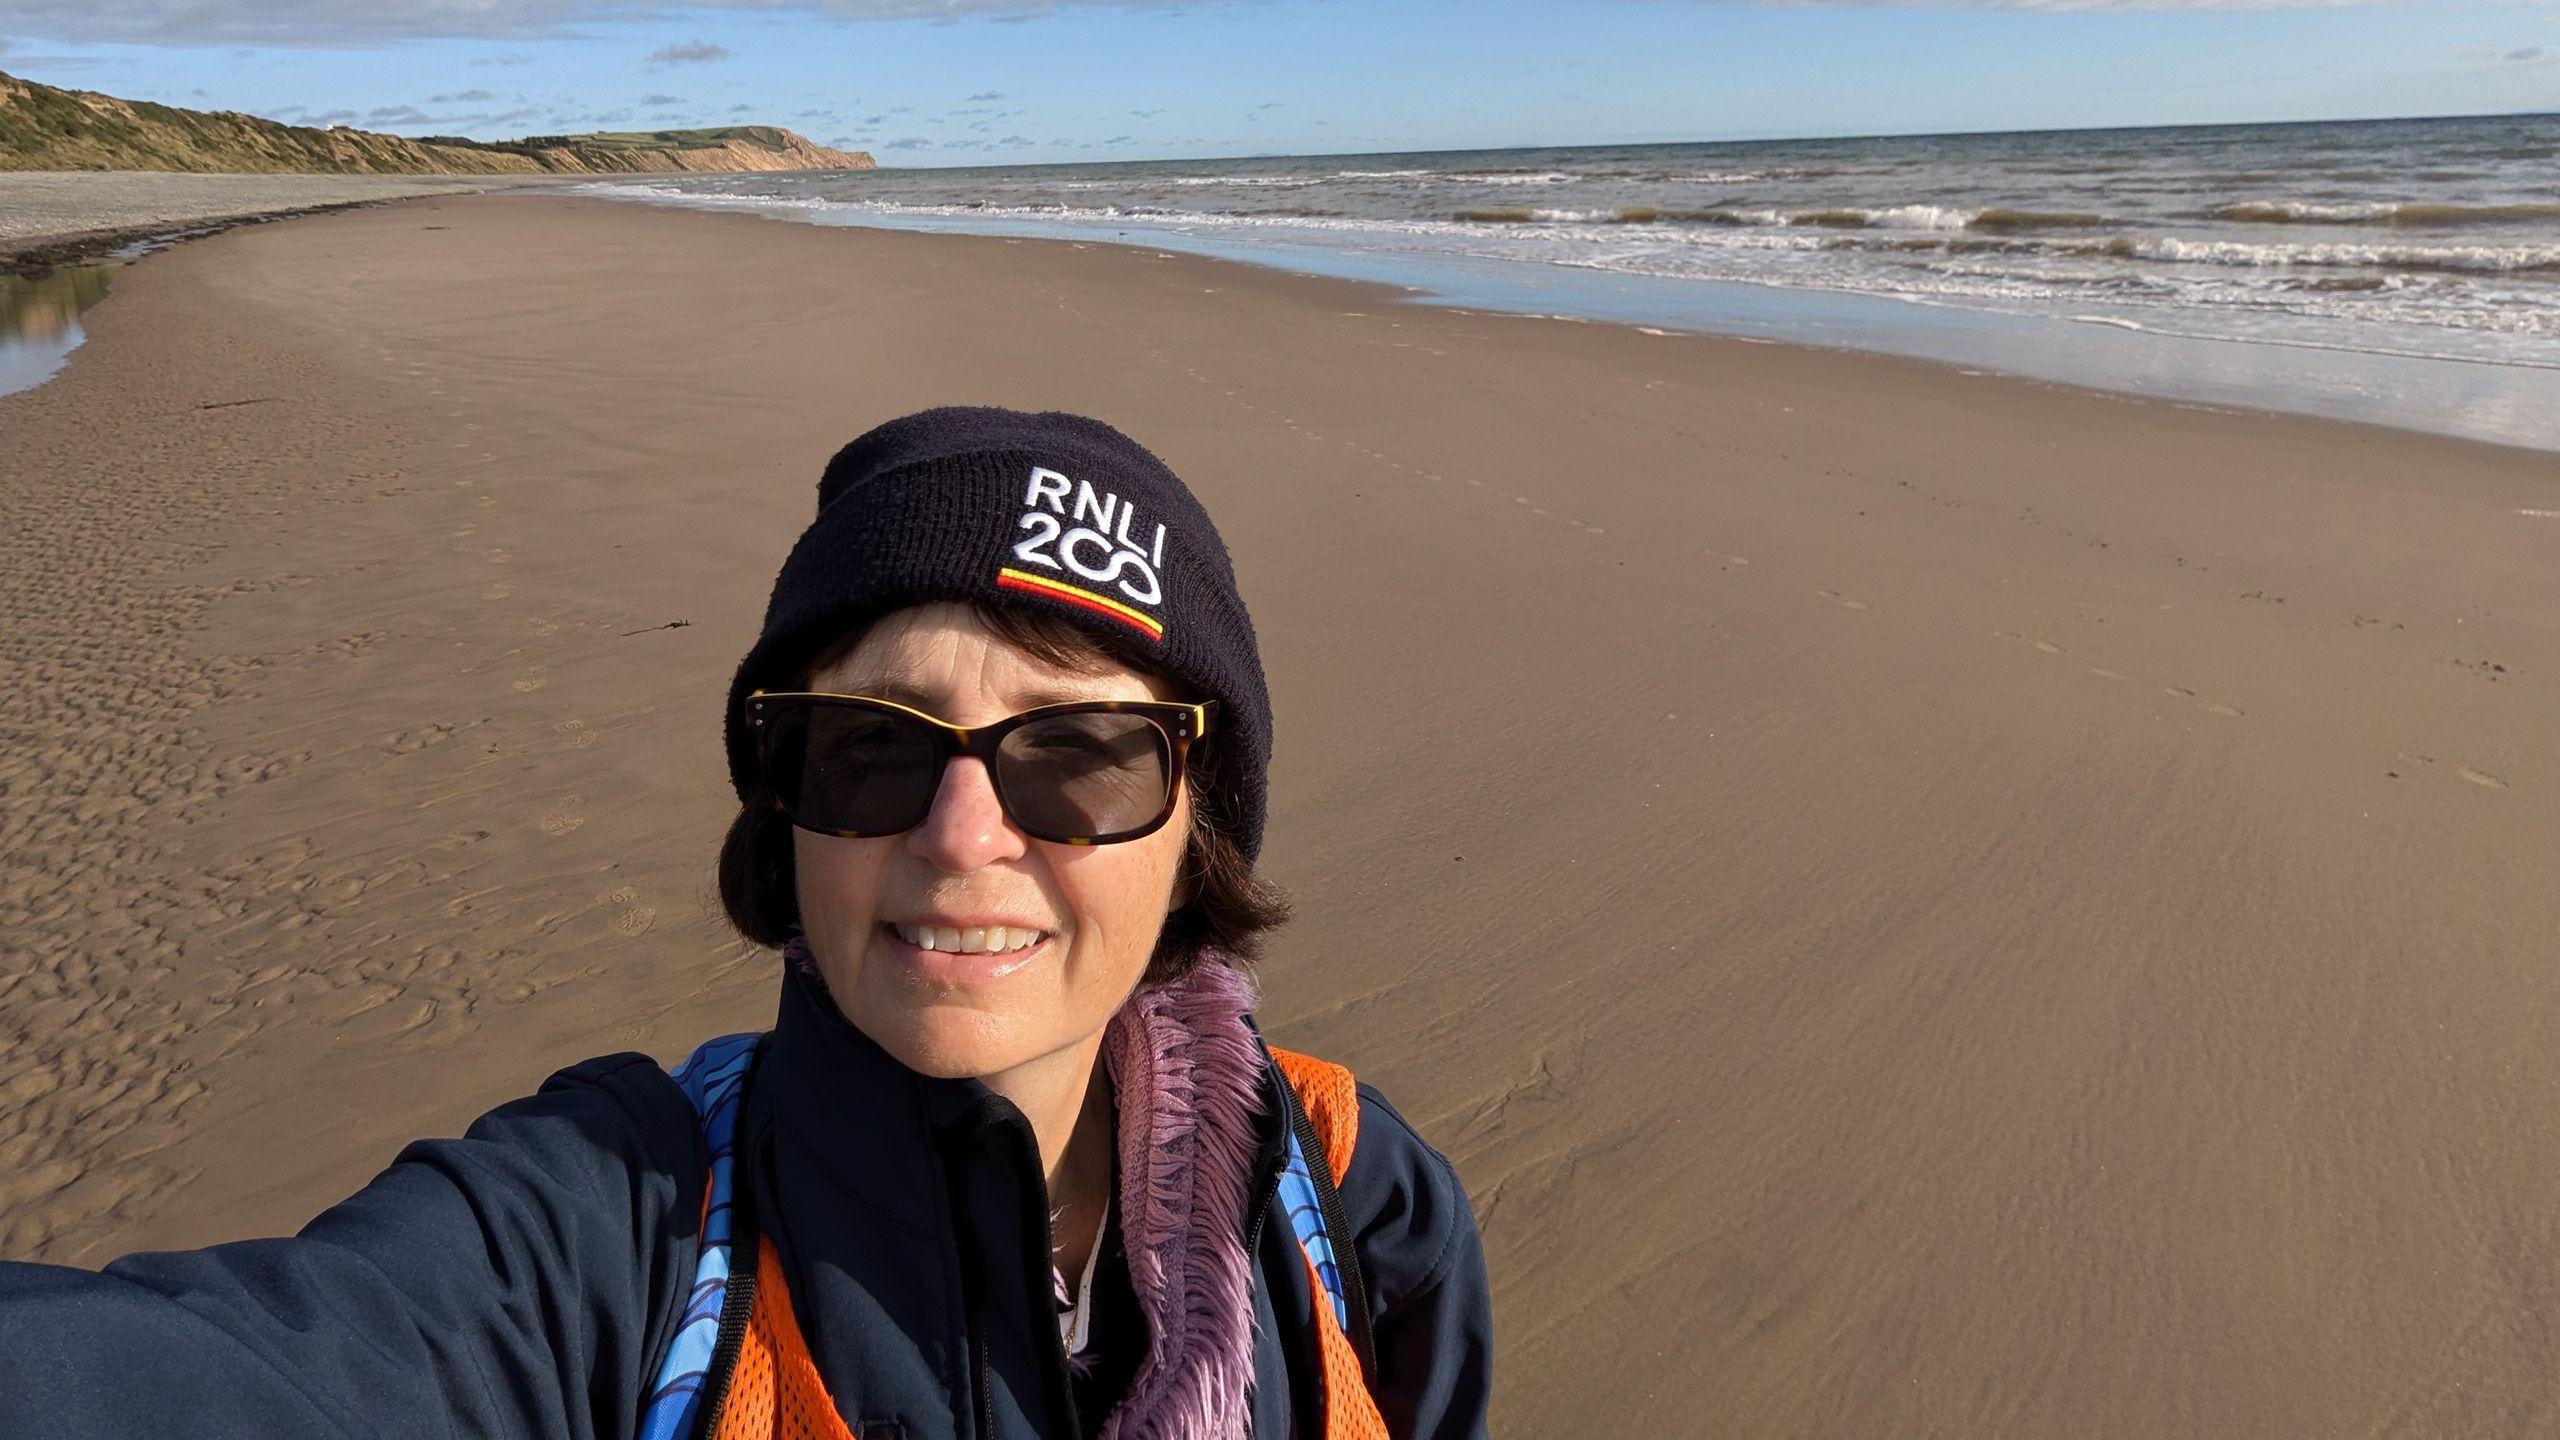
x=939 y=82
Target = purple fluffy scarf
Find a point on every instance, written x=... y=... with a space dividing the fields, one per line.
x=1187 y=1076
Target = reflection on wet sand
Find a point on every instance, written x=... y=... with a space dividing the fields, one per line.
x=40 y=321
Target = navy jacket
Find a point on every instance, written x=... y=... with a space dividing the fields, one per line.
x=523 y=1281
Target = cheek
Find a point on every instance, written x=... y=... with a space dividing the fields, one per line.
x=1120 y=894
x=838 y=883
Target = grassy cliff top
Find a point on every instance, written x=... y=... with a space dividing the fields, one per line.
x=46 y=128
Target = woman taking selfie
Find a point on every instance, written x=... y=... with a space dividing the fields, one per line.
x=1012 y=1161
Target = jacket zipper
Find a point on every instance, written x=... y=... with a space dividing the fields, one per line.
x=973 y=1290
x=973 y=1281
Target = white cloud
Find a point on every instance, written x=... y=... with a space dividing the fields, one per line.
x=691 y=52
x=325 y=23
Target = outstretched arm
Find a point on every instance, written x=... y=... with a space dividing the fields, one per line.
x=514 y=1282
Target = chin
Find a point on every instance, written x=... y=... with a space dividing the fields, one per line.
x=947 y=1042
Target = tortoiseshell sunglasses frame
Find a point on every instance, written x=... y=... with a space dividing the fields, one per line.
x=1181 y=724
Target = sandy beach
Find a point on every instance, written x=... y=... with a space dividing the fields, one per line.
x=1919 y=903
x=66 y=212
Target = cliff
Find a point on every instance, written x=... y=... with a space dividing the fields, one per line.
x=43 y=128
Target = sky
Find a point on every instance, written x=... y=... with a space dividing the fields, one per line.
x=973 y=82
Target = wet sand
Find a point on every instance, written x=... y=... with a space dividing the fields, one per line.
x=47 y=216
x=1920 y=904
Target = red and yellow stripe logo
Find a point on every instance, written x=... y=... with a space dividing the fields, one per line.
x=1012 y=579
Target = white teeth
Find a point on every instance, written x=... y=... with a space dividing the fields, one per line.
x=987 y=940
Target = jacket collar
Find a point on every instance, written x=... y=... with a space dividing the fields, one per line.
x=843 y=1102
x=1190 y=1079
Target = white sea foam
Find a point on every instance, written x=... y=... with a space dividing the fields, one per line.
x=1278 y=182
x=2489 y=259
x=2136 y=238
x=1550 y=177
x=1921 y=217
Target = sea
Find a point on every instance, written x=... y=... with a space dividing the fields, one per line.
x=2400 y=271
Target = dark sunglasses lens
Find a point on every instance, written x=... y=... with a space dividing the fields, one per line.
x=848 y=768
x=1086 y=776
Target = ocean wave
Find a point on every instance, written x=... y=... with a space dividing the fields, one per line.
x=1258 y=182
x=1624 y=215
x=2456 y=259
x=1516 y=177
x=1937 y=219
x=2378 y=212
x=2000 y=220
x=2500 y=298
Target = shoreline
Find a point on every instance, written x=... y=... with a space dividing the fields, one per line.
x=32 y=259
x=52 y=218
x=2500 y=403
x=2064 y=829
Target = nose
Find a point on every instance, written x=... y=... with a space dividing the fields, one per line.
x=966 y=829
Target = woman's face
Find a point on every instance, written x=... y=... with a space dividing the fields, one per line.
x=1099 y=907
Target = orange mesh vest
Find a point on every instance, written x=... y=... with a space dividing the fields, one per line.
x=772 y=1390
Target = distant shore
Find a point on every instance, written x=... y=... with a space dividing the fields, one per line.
x=53 y=217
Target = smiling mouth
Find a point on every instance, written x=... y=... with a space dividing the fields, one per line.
x=990 y=940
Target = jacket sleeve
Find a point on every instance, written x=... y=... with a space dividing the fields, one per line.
x=1430 y=1306
x=514 y=1282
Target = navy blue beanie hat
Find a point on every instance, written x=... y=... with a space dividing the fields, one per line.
x=1050 y=511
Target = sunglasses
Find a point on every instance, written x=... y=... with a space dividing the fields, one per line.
x=1092 y=772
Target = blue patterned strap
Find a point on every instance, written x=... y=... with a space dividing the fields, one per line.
x=1305 y=1208
x=713 y=1079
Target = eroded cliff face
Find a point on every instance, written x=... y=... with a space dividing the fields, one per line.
x=44 y=128
x=784 y=150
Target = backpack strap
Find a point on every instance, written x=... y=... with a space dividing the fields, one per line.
x=1322 y=1105
x=715 y=1080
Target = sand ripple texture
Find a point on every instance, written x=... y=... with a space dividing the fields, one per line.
x=233 y=841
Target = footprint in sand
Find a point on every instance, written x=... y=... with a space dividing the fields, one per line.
x=560 y=821
x=496 y=590
x=419 y=738
x=532 y=680
x=579 y=737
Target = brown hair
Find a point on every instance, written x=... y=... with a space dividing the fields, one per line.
x=1229 y=909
